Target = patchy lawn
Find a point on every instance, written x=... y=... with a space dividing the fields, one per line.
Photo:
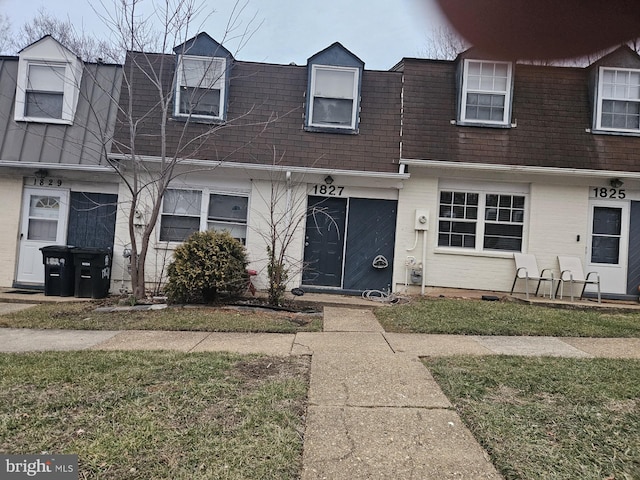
x=144 y=415
x=477 y=317
x=551 y=418
x=84 y=316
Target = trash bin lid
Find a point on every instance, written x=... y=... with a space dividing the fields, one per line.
x=92 y=250
x=57 y=249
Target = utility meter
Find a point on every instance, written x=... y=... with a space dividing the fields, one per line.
x=422 y=219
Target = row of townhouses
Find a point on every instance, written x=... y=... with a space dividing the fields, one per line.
x=431 y=174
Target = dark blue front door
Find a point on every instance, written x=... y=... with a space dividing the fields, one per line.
x=324 y=241
x=370 y=244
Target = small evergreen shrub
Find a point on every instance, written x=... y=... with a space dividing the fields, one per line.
x=206 y=264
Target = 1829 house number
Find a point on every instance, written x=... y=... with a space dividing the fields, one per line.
x=607 y=192
x=46 y=182
x=330 y=190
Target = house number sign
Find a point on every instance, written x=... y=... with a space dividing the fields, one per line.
x=45 y=182
x=608 y=192
x=329 y=190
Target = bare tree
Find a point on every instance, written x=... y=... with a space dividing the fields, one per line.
x=6 y=40
x=79 y=42
x=280 y=227
x=152 y=74
x=444 y=44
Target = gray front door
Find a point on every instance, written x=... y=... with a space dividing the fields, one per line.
x=370 y=244
x=324 y=241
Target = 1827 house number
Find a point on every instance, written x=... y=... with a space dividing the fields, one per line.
x=330 y=190
x=604 y=192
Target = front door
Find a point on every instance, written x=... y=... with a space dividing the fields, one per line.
x=371 y=233
x=44 y=222
x=324 y=241
x=609 y=245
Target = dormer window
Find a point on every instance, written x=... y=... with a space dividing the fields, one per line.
x=486 y=93
x=200 y=87
x=48 y=83
x=45 y=91
x=334 y=82
x=618 y=102
x=335 y=92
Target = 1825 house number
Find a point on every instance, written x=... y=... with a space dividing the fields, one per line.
x=330 y=190
x=604 y=192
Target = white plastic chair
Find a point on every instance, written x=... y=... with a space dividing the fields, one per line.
x=527 y=269
x=571 y=271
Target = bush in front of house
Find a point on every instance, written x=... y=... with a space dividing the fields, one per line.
x=205 y=265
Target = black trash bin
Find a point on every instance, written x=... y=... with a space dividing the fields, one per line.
x=92 y=272
x=58 y=270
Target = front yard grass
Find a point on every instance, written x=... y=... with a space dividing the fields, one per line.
x=145 y=415
x=83 y=316
x=551 y=418
x=477 y=317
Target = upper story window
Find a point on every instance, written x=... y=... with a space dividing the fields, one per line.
x=618 y=102
x=481 y=221
x=187 y=211
x=486 y=92
x=44 y=96
x=334 y=93
x=200 y=87
x=48 y=83
x=334 y=82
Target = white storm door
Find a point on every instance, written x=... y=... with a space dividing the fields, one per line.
x=608 y=247
x=44 y=222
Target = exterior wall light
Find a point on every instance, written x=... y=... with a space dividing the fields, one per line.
x=616 y=183
x=328 y=179
x=41 y=173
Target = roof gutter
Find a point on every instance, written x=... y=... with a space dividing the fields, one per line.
x=486 y=167
x=58 y=166
x=269 y=168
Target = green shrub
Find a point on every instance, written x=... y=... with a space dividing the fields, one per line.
x=206 y=264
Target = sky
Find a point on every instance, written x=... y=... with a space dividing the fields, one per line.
x=379 y=32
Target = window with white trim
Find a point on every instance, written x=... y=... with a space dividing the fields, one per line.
x=44 y=96
x=618 y=104
x=187 y=211
x=481 y=221
x=486 y=92
x=47 y=83
x=200 y=87
x=334 y=97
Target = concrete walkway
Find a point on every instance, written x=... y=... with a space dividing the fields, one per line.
x=375 y=412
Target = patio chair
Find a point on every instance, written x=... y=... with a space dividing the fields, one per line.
x=571 y=271
x=527 y=269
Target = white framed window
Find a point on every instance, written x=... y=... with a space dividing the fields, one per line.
x=486 y=92
x=44 y=96
x=47 y=83
x=334 y=97
x=200 y=87
x=47 y=92
x=618 y=102
x=187 y=211
x=481 y=221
